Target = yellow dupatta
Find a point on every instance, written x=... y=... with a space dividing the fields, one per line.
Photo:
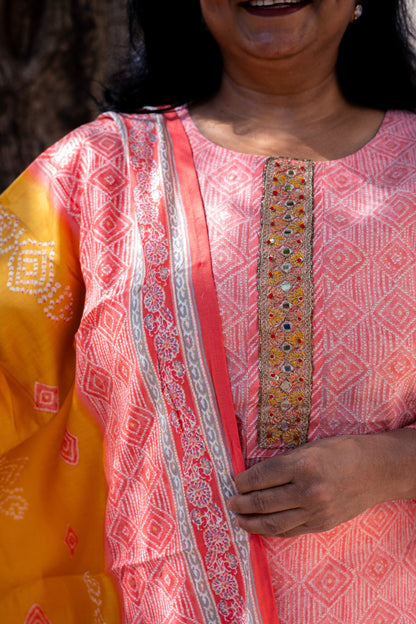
x=52 y=483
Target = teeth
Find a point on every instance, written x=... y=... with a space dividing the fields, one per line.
x=269 y=3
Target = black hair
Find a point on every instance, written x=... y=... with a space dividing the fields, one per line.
x=174 y=60
x=377 y=60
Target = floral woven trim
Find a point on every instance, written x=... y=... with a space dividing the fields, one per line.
x=285 y=303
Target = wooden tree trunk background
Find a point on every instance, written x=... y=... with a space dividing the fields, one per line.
x=54 y=57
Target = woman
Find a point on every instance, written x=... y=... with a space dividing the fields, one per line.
x=258 y=430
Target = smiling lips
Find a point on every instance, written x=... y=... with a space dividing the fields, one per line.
x=273 y=8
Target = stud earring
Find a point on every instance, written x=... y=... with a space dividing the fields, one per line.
x=358 y=11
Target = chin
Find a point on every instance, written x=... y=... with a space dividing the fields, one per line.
x=274 y=48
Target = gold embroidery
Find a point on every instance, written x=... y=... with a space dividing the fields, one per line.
x=285 y=303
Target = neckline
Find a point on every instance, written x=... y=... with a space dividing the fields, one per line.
x=186 y=117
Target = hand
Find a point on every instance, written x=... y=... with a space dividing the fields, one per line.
x=323 y=483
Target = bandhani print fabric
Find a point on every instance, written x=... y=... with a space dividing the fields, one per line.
x=364 y=294
x=118 y=455
x=123 y=420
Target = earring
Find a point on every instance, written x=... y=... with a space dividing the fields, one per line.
x=358 y=11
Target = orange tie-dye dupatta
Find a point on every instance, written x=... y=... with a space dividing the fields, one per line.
x=52 y=484
x=104 y=240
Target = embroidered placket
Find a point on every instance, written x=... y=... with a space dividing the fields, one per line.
x=285 y=303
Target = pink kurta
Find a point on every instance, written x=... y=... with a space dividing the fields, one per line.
x=119 y=442
x=364 y=358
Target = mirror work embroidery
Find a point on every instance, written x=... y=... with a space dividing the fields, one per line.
x=285 y=303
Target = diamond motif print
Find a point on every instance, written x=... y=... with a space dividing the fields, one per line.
x=111 y=225
x=122 y=369
x=341 y=218
x=382 y=613
x=394 y=175
x=36 y=616
x=341 y=313
x=399 y=211
x=396 y=258
x=130 y=585
x=344 y=259
x=107 y=145
x=370 y=192
x=137 y=426
x=393 y=145
x=98 y=383
x=380 y=521
x=157 y=529
x=343 y=369
x=379 y=567
x=46 y=398
x=31 y=268
x=341 y=418
x=108 y=179
x=399 y=365
x=69 y=449
x=111 y=321
x=396 y=312
x=123 y=530
x=329 y=581
x=344 y=180
x=108 y=269
x=226 y=179
x=71 y=540
x=165 y=577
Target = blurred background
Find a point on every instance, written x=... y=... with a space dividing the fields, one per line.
x=54 y=58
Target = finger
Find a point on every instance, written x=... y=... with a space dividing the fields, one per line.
x=269 y=473
x=267 y=501
x=283 y=524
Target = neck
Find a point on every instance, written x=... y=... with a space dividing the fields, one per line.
x=315 y=123
x=278 y=103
